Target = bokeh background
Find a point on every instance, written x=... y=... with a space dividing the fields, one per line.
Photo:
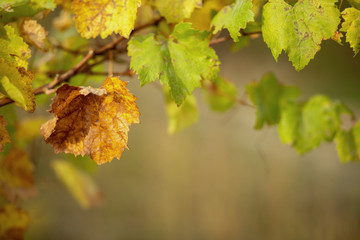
x=219 y=179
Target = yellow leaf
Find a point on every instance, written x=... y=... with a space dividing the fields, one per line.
x=201 y=17
x=92 y=121
x=4 y=135
x=176 y=10
x=79 y=183
x=13 y=222
x=16 y=82
x=103 y=17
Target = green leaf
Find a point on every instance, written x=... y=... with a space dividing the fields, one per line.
x=234 y=17
x=181 y=61
x=7 y=5
x=16 y=84
x=180 y=117
x=354 y=3
x=299 y=29
x=348 y=144
x=12 y=47
x=269 y=96
x=220 y=94
x=351 y=26
x=176 y=10
x=306 y=126
x=26 y=8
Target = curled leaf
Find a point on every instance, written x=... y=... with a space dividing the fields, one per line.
x=35 y=34
x=92 y=121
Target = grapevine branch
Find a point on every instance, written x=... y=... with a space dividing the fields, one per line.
x=83 y=65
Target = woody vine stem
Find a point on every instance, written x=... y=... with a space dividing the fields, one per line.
x=84 y=67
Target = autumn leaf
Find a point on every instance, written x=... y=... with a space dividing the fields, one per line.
x=93 y=121
x=16 y=83
x=35 y=34
x=13 y=222
x=13 y=49
x=176 y=10
x=104 y=17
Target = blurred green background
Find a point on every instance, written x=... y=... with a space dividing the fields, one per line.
x=219 y=179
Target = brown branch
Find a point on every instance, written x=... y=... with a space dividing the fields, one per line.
x=81 y=66
x=224 y=39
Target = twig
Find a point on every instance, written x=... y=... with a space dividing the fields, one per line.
x=80 y=66
x=224 y=39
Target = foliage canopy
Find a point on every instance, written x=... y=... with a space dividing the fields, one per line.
x=170 y=41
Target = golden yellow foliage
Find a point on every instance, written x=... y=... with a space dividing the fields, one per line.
x=104 y=17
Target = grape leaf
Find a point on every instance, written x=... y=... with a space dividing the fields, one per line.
x=12 y=47
x=79 y=183
x=93 y=121
x=351 y=26
x=183 y=116
x=299 y=29
x=181 y=61
x=103 y=17
x=13 y=222
x=306 y=126
x=176 y=10
x=35 y=34
x=201 y=17
x=347 y=144
x=4 y=135
x=234 y=17
x=26 y=8
x=16 y=82
x=269 y=96
x=220 y=94
x=16 y=169
x=7 y=5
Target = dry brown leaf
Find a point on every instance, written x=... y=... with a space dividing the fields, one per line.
x=35 y=34
x=4 y=135
x=92 y=121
